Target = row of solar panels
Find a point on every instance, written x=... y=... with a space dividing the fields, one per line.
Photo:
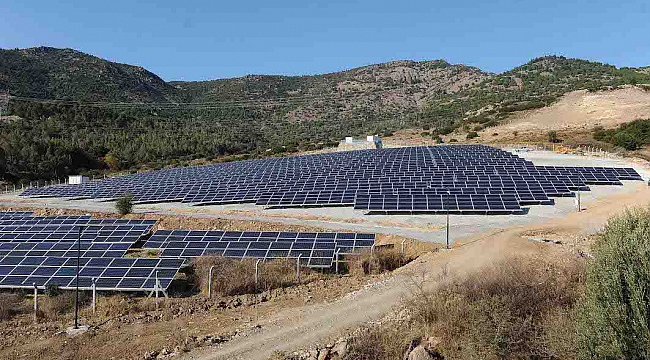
x=340 y=163
x=48 y=256
x=313 y=249
x=124 y=274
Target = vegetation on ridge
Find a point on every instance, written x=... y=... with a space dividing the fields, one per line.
x=253 y=116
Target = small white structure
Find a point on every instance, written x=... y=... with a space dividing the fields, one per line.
x=372 y=138
x=349 y=139
x=77 y=179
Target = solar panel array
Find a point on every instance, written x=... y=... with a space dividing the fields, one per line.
x=317 y=250
x=43 y=251
x=124 y=274
x=481 y=178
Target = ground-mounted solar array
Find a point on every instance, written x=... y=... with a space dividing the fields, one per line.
x=316 y=250
x=42 y=251
x=458 y=178
x=123 y=274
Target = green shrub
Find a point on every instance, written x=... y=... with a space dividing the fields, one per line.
x=453 y=140
x=472 y=135
x=630 y=136
x=552 y=137
x=615 y=316
x=446 y=130
x=124 y=204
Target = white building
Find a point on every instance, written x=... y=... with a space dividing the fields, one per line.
x=77 y=179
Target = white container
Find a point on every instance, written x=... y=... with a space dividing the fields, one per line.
x=77 y=179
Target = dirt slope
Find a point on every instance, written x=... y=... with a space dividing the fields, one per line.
x=300 y=328
x=584 y=110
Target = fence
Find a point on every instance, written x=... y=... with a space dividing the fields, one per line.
x=17 y=188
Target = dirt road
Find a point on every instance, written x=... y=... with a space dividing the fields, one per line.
x=295 y=329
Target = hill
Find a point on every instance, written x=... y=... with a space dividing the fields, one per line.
x=255 y=115
x=49 y=73
x=393 y=86
x=536 y=84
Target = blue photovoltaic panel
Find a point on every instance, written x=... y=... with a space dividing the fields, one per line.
x=346 y=243
x=123 y=274
x=344 y=178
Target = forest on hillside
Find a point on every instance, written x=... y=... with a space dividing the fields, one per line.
x=44 y=140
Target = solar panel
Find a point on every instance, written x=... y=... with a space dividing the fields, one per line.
x=345 y=243
x=123 y=274
x=344 y=178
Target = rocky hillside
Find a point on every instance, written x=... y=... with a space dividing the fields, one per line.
x=397 y=85
x=535 y=84
x=251 y=116
x=49 y=73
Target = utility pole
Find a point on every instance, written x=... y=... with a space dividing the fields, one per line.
x=76 y=295
x=448 y=193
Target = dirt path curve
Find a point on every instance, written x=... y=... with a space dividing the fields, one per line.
x=299 y=328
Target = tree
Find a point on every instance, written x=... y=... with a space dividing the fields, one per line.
x=124 y=204
x=111 y=161
x=615 y=317
x=552 y=137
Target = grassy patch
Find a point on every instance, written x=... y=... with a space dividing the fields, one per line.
x=520 y=308
x=234 y=277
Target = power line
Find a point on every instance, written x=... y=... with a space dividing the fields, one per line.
x=296 y=100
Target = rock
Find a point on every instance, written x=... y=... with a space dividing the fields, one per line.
x=420 y=353
x=323 y=354
x=432 y=345
x=150 y=355
x=341 y=348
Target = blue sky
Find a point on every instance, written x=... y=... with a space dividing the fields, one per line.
x=197 y=40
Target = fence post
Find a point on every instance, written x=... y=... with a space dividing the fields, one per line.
x=403 y=241
x=298 y=268
x=35 y=302
x=210 y=282
x=336 y=259
x=257 y=274
x=157 y=288
x=94 y=297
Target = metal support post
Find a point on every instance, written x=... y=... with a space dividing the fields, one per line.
x=157 y=287
x=298 y=268
x=447 y=218
x=94 y=296
x=403 y=253
x=579 y=207
x=76 y=295
x=336 y=259
x=210 y=282
x=35 y=303
x=257 y=273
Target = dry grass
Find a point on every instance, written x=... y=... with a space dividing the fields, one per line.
x=54 y=307
x=521 y=308
x=10 y=305
x=235 y=277
x=377 y=262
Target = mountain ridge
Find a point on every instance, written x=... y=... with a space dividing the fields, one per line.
x=123 y=117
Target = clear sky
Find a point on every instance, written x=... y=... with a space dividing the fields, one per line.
x=208 y=39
